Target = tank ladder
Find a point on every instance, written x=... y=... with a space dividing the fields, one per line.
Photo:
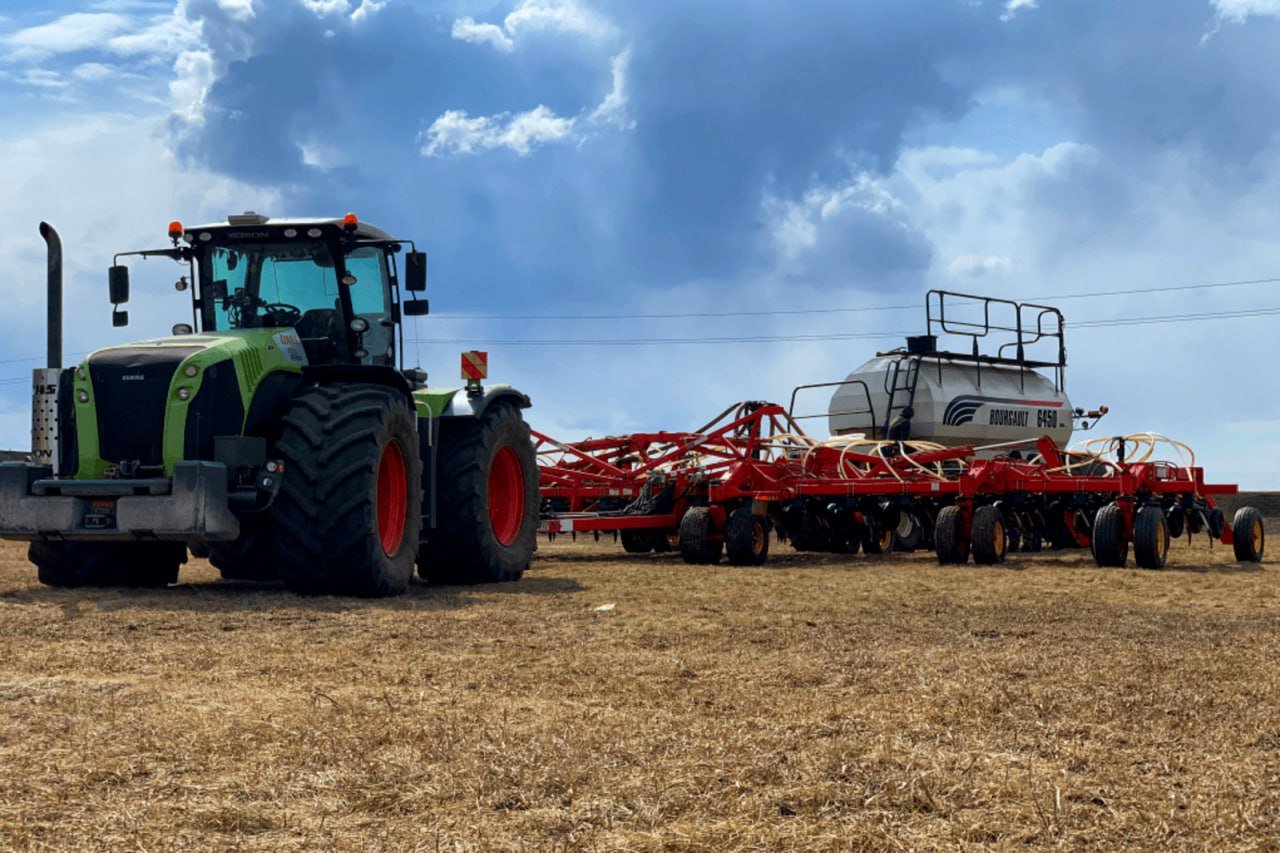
x=900 y=384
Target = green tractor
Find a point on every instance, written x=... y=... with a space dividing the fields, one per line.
x=277 y=434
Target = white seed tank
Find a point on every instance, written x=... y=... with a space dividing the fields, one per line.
x=954 y=402
x=998 y=377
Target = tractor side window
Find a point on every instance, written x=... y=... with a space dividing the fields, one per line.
x=369 y=297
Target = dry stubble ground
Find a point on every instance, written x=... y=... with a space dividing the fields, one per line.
x=820 y=703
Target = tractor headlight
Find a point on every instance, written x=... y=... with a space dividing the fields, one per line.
x=80 y=374
x=360 y=325
x=191 y=370
x=184 y=393
x=82 y=395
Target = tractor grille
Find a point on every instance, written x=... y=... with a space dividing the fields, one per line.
x=131 y=391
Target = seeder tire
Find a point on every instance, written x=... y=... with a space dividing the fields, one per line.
x=989 y=542
x=1110 y=547
x=910 y=533
x=950 y=544
x=746 y=538
x=696 y=547
x=107 y=564
x=348 y=515
x=877 y=537
x=471 y=543
x=1150 y=538
x=636 y=541
x=1249 y=537
x=1176 y=518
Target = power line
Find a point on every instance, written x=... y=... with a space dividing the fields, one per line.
x=860 y=309
x=608 y=342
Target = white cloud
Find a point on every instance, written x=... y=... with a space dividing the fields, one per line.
x=456 y=132
x=239 y=10
x=613 y=109
x=77 y=31
x=366 y=9
x=977 y=266
x=796 y=225
x=94 y=71
x=324 y=8
x=534 y=16
x=1013 y=7
x=466 y=29
x=1238 y=10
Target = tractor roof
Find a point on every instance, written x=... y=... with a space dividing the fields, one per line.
x=249 y=219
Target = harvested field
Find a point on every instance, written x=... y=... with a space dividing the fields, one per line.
x=821 y=703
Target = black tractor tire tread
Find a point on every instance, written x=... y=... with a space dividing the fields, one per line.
x=989 y=538
x=462 y=548
x=1242 y=527
x=107 y=564
x=325 y=516
x=1108 y=542
x=739 y=538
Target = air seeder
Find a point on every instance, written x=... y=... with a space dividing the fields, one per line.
x=278 y=433
x=960 y=451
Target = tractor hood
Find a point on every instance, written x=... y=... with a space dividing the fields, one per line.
x=155 y=402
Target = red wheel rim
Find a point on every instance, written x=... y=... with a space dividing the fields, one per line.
x=393 y=497
x=506 y=495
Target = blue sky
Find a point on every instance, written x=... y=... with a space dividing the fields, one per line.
x=588 y=157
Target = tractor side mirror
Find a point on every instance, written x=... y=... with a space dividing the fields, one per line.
x=415 y=272
x=119 y=318
x=118 y=283
x=417 y=308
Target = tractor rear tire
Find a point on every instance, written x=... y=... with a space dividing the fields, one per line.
x=348 y=515
x=949 y=542
x=1249 y=537
x=990 y=544
x=696 y=547
x=1110 y=547
x=249 y=558
x=488 y=501
x=107 y=564
x=746 y=538
x=1150 y=538
x=636 y=541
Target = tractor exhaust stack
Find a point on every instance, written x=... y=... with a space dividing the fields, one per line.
x=50 y=235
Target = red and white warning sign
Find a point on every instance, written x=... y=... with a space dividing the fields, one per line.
x=475 y=365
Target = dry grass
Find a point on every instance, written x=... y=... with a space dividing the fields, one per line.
x=821 y=703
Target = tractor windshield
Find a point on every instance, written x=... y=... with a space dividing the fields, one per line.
x=294 y=283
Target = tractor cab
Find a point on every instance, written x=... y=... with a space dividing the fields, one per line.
x=334 y=282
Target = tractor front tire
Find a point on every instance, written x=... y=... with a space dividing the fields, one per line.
x=488 y=501
x=348 y=515
x=108 y=564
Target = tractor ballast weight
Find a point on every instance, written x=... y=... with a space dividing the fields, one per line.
x=278 y=433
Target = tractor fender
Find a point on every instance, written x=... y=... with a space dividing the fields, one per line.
x=468 y=405
x=374 y=374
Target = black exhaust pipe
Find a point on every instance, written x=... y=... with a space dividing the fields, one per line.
x=50 y=235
